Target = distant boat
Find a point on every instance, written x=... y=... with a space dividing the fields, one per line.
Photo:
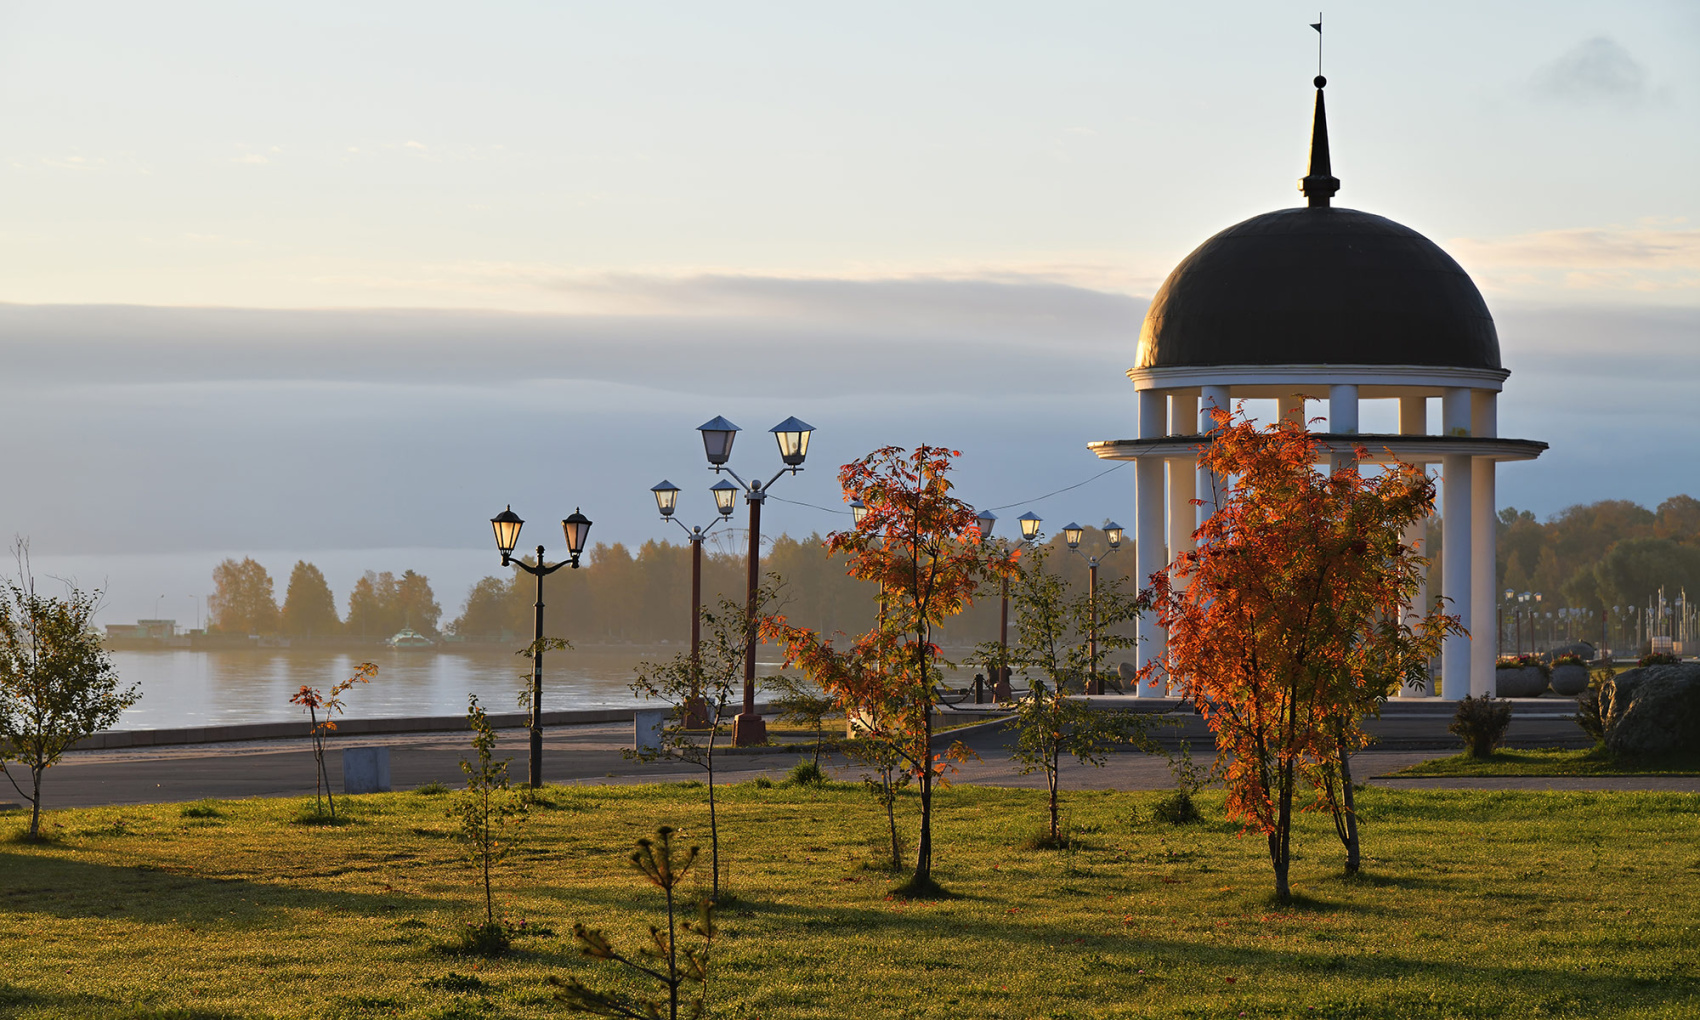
x=410 y=638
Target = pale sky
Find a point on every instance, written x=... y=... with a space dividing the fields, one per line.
x=350 y=276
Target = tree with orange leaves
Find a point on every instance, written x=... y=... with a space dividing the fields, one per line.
x=1291 y=618
x=924 y=547
x=315 y=700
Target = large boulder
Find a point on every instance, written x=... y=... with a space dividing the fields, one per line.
x=1654 y=710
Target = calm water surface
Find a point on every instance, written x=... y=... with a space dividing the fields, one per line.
x=185 y=688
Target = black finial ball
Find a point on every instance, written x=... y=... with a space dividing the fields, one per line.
x=1321 y=81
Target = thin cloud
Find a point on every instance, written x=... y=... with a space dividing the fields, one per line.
x=1644 y=259
x=1597 y=70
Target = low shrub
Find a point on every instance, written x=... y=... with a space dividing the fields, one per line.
x=452 y=982
x=201 y=809
x=489 y=939
x=805 y=773
x=763 y=783
x=1177 y=808
x=431 y=789
x=1482 y=723
x=1658 y=659
x=1588 y=712
x=315 y=814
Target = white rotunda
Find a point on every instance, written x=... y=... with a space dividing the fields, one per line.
x=1328 y=304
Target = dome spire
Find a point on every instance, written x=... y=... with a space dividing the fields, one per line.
x=1320 y=184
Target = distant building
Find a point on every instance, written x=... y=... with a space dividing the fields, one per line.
x=142 y=630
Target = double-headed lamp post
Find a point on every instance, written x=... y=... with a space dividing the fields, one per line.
x=792 y=435
x=1071 y=535
x=507 y=525
x=667 y=501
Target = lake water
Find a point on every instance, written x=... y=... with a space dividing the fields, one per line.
x=187 y=688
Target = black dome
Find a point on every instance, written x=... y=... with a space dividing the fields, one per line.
x=1318 y=285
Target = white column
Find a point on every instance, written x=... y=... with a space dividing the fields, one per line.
x=1455 y=411
x=1148 y=532
x=1455 y=570
x=1413 y=416
x=1415 y=537
x=1183 y=517
x=1413 y=421
x=1293 y=408
x=1183 y=477
x=1342 y=418
x=1343 y=408
x=1455 y=566
x=1210 y=398
x=1484 y=622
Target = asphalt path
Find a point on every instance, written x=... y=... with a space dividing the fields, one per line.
x=592 y=754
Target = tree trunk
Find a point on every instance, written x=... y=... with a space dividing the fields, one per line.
x=1053 y=782
x=325 y=774
x=35 y=803
x=891 y=822
x=924 y=845
x=713 y=821
x=1351 y=813
x=1280 y=841
x=489 y=894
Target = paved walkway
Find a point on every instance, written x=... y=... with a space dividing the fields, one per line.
x=591 y=754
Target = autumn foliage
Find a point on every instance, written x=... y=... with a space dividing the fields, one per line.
x=1291 y=619
x=923 y=547
x=318 y=702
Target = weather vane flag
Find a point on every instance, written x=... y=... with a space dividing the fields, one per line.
x=1317 y=24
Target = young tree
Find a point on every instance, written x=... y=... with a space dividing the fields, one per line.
x=1051 y=647
x=316 y=701
x=664 y=868
x=924 y=547
x=57 y=684
x=1291 y=614
x=242 y=601
x=309 y=608
x=801 y=702
x=713 y=683
x=485 y=809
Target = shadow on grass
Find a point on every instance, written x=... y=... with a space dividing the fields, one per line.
x=68 y=888
x=18 y=1001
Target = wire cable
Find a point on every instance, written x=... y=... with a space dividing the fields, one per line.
x=1006 y=506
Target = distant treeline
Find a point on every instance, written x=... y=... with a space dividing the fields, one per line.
x=616 y=597
x=1606 y=554
x=1609 y=553
x=243 y=602
x=645 y=598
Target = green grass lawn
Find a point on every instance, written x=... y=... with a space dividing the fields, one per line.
x=1495 y=904
x=1551 y=761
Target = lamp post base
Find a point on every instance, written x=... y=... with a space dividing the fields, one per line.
x=748 y=729
x=696 y=713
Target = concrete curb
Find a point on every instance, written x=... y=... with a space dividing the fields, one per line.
x=344 y=728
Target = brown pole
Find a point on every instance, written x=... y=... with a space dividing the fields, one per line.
x=1092 y=628
x=535 y=773
x=749 y=728
x=1000 y=687
x=696 y=711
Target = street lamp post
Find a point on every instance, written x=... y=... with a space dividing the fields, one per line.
x=1509 y=600
x=1029 y=521
x=793 y=438
x=1071 y=535
x=507 y=525
x=667 y=501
